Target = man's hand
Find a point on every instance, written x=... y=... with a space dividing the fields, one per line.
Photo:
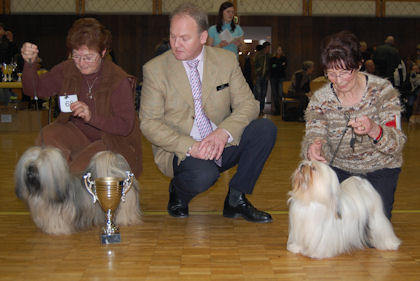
x=211 y=147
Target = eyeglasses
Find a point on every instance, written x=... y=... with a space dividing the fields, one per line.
x=87 y=58
x=345 y=74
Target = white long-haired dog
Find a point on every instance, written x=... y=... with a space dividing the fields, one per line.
x=327 y=219
x=58 y=200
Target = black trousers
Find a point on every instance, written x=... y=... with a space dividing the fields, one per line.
x=194 y=176
x=303 y=102
x=384 y=181
x=276 y=93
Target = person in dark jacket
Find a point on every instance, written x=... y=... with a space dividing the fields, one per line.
x=278 y=65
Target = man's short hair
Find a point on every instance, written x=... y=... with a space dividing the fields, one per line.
x=307 y=65
x=266 y=44
x=195 y=12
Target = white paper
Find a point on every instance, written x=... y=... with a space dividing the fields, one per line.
x=226 y=35
x=65 y=102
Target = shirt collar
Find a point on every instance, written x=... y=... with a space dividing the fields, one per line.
x=200 y=56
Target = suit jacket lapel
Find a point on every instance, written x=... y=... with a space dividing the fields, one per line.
x=209 y=74
x=181 y=83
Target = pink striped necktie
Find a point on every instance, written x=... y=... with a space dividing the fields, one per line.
x=203 y=123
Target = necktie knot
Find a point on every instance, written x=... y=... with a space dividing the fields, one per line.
x=193 y=64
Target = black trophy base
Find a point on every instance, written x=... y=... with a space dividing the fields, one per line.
x=110 y=238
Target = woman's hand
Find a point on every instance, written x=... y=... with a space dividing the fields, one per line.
x=81 y=109
x=238 y=41
x=222 y=44
x=365 y=126
x=315 y=151
x=29 y=52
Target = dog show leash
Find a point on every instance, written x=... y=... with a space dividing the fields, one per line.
x=37 y=109
x=347 y=116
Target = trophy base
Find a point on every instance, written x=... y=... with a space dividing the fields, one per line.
x=110 y=238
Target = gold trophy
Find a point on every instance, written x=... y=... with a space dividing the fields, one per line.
x=109 y=191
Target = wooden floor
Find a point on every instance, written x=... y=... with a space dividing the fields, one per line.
x=205 y=246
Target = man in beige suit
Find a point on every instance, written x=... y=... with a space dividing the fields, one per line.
x=199 y=113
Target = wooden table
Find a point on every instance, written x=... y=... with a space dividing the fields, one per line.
x=15 y=86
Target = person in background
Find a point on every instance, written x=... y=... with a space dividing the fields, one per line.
x=8 y=48
x=386 y=58
x=103 y=117
x=247 y=70
x=162 y=47
x=413 y=97
x=300 y=87
x=366 y=54
x=369 y=67
x=353 y=122
x=262 y=68
x=278 y=65
x=225 y=21
x=200 y=116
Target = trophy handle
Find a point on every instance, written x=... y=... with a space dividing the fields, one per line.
x=89 y=184
x=128 y=182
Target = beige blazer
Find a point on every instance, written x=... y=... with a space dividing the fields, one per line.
x=167 y=107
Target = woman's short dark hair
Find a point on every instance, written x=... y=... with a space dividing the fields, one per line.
x=341 y=50
x=219 y=20
x=89 y=32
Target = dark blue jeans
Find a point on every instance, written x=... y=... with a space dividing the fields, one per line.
x=384 y=181
x=261 y=91
x=276 y=93
x=194 y=176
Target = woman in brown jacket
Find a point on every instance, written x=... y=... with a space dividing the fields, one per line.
x=103 y=117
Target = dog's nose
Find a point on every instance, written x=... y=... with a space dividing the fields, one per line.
x=303 y=165
x=32 y=179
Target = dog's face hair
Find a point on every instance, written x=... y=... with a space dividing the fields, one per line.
x=315 y=181
x=42 y=172
x=32 y=179
x=58 y=200
x=328 y=218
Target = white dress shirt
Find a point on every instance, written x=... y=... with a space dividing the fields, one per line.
x=195 y=134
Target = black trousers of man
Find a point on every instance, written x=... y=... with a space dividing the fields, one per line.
x=194 y=176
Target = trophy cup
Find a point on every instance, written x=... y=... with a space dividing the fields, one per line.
x=109 y=191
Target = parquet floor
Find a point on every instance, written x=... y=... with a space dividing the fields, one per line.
x=205 y=246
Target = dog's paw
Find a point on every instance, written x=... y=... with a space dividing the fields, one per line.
x=292 y=247
x=392 y=244
x=388 y=243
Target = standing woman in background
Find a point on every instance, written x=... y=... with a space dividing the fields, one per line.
x=225 y=21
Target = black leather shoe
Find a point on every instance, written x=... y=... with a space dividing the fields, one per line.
x=246 y=210
x=176 y=207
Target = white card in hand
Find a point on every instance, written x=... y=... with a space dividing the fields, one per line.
x=225 y=35
x=65 y=102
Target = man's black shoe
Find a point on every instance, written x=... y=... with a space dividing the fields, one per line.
x=246 y=210
x=176 y=206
